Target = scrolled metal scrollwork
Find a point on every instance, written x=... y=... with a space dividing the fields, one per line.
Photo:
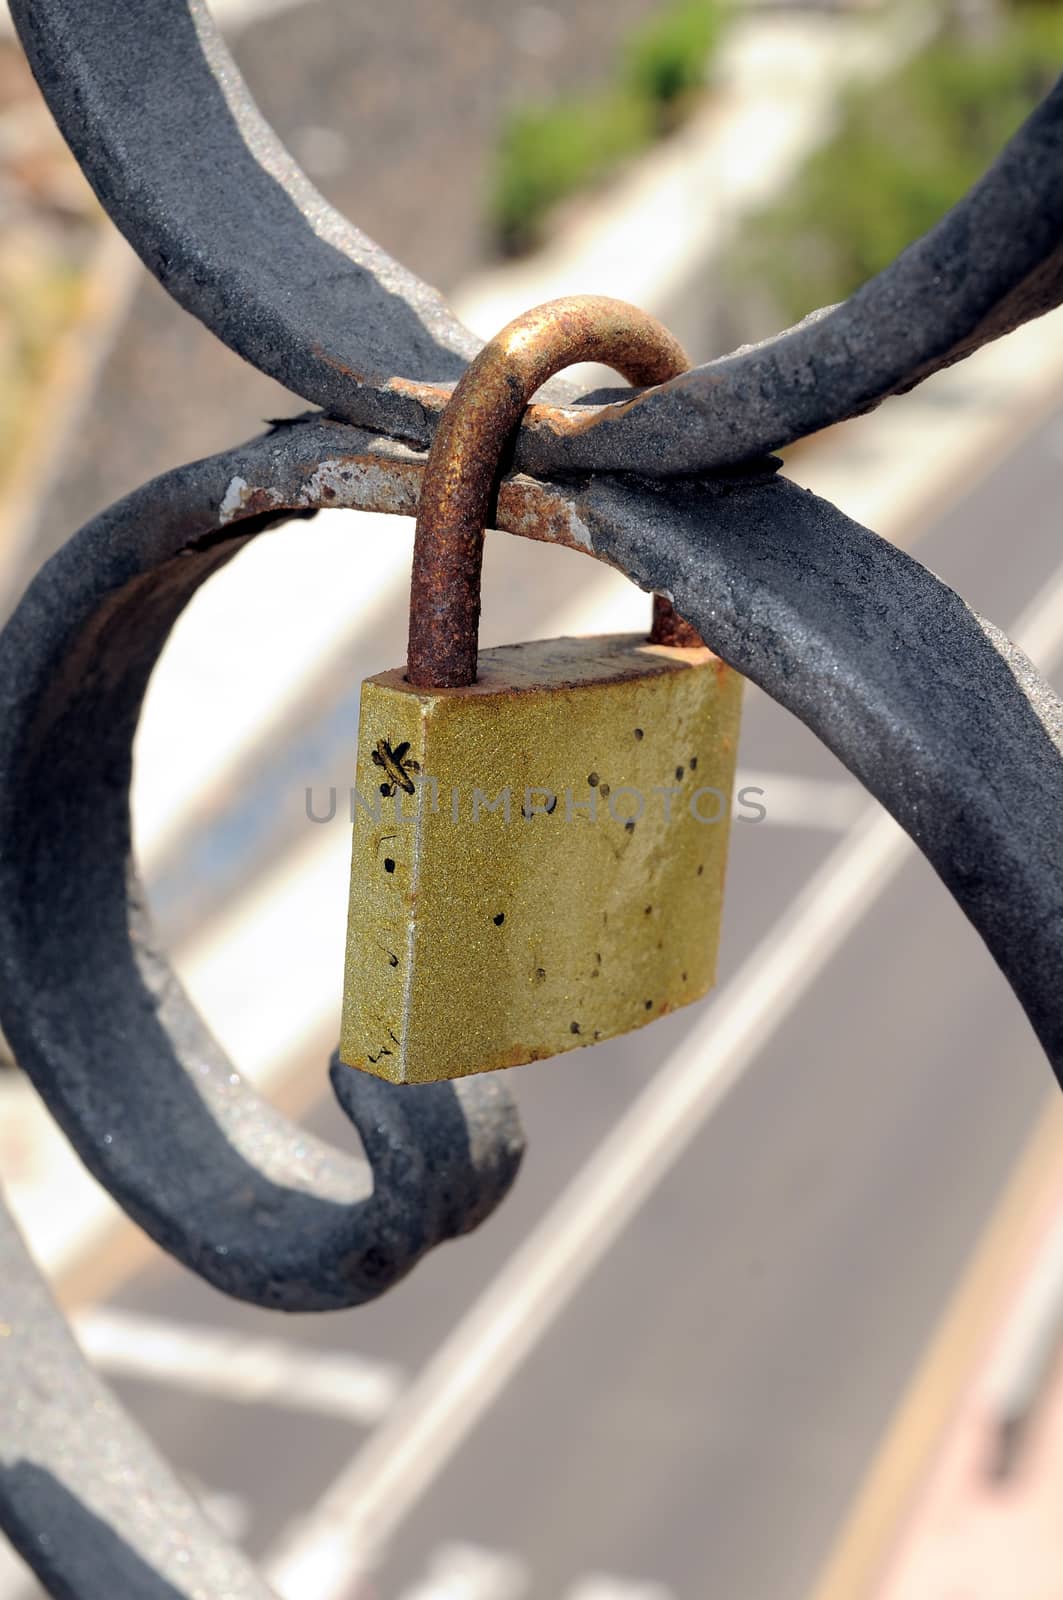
x=935 y=712
x=238 y=235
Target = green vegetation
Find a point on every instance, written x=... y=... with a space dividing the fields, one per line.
x=550 y=151
x=904 y=152
x=666 y=59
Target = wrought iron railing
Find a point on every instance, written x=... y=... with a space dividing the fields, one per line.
x=939 y=716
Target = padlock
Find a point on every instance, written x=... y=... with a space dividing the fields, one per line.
x=539 y=845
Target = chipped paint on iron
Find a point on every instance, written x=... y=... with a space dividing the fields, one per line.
x=533 y=511
x=359 y=483
x=232 y=500
x=241 y=497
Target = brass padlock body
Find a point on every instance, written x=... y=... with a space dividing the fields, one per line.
x=534 y=927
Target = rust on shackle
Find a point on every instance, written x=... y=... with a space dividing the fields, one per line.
x=463 y=465
x=670 y=628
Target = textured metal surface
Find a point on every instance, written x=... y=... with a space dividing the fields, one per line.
x=97 y=1018
x=931 y=708
x=463 y=462
x=239 y=236
x=538 y=858
x=936 y=713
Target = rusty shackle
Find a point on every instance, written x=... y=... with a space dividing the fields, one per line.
x=463 y=463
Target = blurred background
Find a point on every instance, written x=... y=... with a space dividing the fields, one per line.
x=811 y=1351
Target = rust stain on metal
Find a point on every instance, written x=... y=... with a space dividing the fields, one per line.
x=338 y=366
x=381 y=480
x=478 y=421
x=433 y=396
x=670 y=628
x=571 y=421
x=533 y=511
x=258 y=501
x=367 y=481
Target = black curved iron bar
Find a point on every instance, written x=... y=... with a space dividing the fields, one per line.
x=936 y=713
x=992 y=263
x=159 y=118
x=84 y=1496
x=96 y=1016
x=943 y=722
x=940 y=717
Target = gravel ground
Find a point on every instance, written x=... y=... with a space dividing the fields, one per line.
x=394 y=110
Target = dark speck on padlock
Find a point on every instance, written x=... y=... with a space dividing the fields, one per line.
x=638 y=733
x=499 y=919
x=597 y=1033
x=592 y=779
x=693 y=763
x=385 y=790
x=598 y=957
x=540 y=974
x=573 y=1027
x=389 y=865
x=679 y=774
x=649 y=1005
x=629 y=825
x=393 y=959
x=604 y=789
x=700 y=871
x=649 y=911
x=683 y=976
